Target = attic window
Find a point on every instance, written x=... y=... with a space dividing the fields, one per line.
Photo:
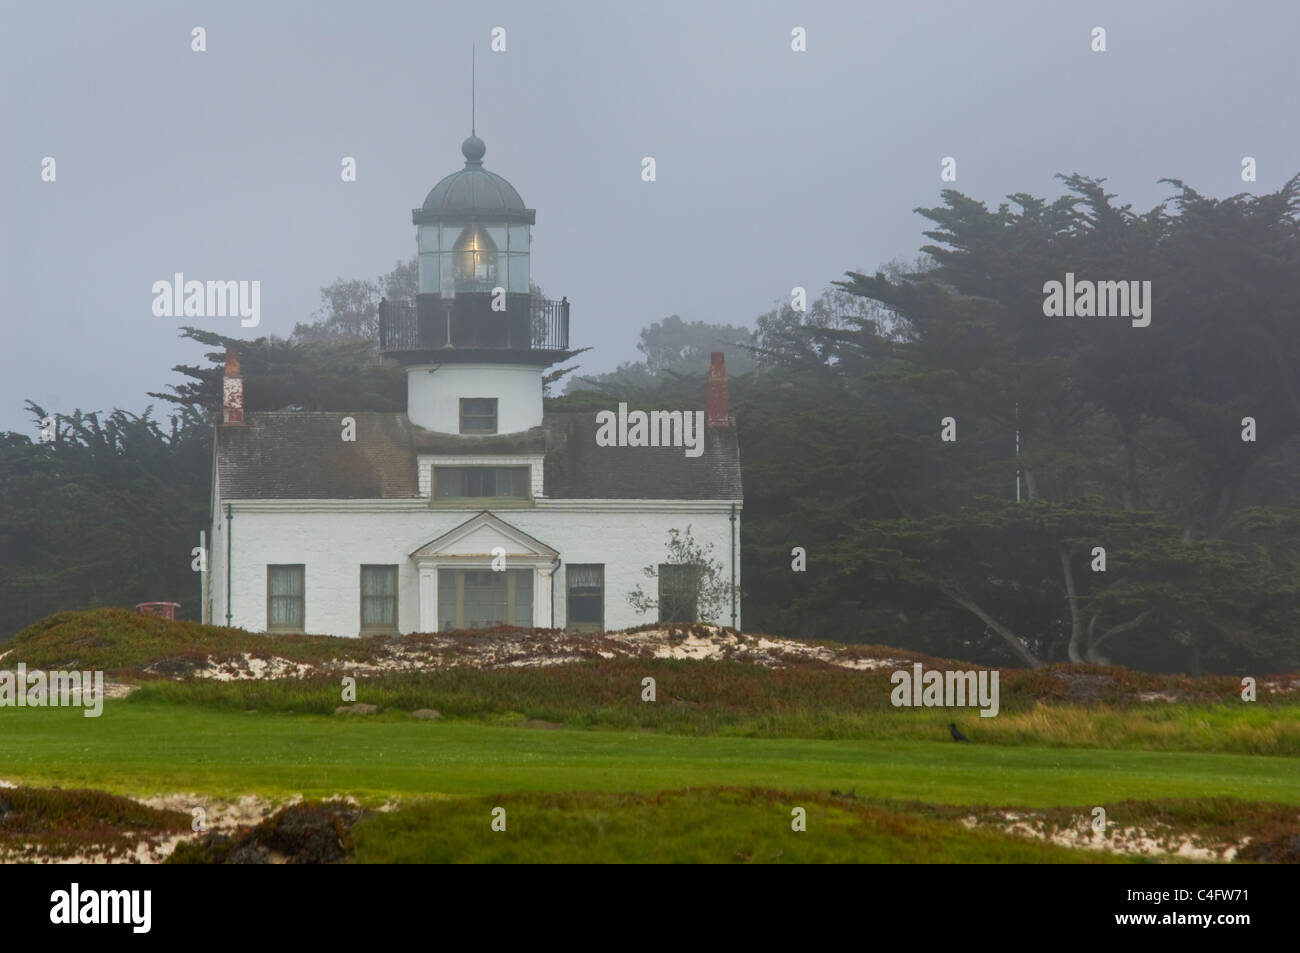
x=480 y=483
x=478 y=415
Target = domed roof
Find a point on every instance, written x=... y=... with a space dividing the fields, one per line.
x=474 y=191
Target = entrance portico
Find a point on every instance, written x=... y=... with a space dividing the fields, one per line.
x=485 y=572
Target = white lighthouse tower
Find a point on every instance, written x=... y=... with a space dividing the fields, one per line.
x=475 y=342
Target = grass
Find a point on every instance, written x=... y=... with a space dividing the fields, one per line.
x=1208 y=819
x=733 y=699
x=687 y=826
x=705 y=773
x=121 y=641
x=143 y=749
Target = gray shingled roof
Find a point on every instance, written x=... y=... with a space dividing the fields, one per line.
x=301 y=455
x=576 y=468
x=430 y=441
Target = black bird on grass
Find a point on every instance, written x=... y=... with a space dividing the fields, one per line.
x=956 y=732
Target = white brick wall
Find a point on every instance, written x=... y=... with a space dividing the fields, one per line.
x=333 y=540
x=433 y=394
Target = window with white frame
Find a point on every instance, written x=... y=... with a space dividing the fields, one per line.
x=286 y=609
x=378 y=598
x=586 y=596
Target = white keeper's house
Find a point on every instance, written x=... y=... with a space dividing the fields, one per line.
x=475 y=507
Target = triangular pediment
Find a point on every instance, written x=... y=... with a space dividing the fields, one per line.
x=478 y=536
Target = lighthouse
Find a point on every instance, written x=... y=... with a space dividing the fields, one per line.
x=477 y=507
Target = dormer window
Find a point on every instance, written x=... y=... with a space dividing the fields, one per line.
x=481 y=484
x=478 y=415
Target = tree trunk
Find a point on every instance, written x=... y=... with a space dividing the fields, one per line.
x=1076 y=622
x=1094 y=655
x=1010 y=638
x=1031 y=484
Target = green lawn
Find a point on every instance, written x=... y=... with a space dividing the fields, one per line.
x=698 y=826
x=708 y=773
x=747 y=701
x=142 y=749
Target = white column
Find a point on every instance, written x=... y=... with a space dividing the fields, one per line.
x=428 y=599
x=542 y=596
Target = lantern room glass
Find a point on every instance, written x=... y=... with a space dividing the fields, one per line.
x=430 y=279
x=474 y=259
x=476 y=256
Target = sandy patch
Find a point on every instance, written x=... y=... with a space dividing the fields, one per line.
x=112 y=690
x=1155 y=841
x=713 y=642
x=246 y=666
x=247 y=811
x=1273 y=687
x=147 y=851
x=535 y=649
x=1157 y=696
x=220 y=814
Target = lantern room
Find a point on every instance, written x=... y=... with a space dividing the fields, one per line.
x=475 y=299
x=473 y=231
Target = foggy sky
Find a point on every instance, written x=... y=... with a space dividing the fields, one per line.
x=775 y=168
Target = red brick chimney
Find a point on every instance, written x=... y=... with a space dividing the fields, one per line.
x=232 y=392
x=717 y=396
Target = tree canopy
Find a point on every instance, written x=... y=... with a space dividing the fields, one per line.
x=1131 y=439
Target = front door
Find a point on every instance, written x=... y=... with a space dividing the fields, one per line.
x=481 y=598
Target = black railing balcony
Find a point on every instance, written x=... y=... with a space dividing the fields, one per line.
x=467 y=321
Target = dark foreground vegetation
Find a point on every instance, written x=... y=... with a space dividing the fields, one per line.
x=709 y=825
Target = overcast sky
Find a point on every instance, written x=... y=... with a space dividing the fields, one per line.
x=775 y=168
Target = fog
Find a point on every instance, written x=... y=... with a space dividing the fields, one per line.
x=774 y=168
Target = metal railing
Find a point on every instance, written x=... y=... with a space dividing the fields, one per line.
x=468 y=321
